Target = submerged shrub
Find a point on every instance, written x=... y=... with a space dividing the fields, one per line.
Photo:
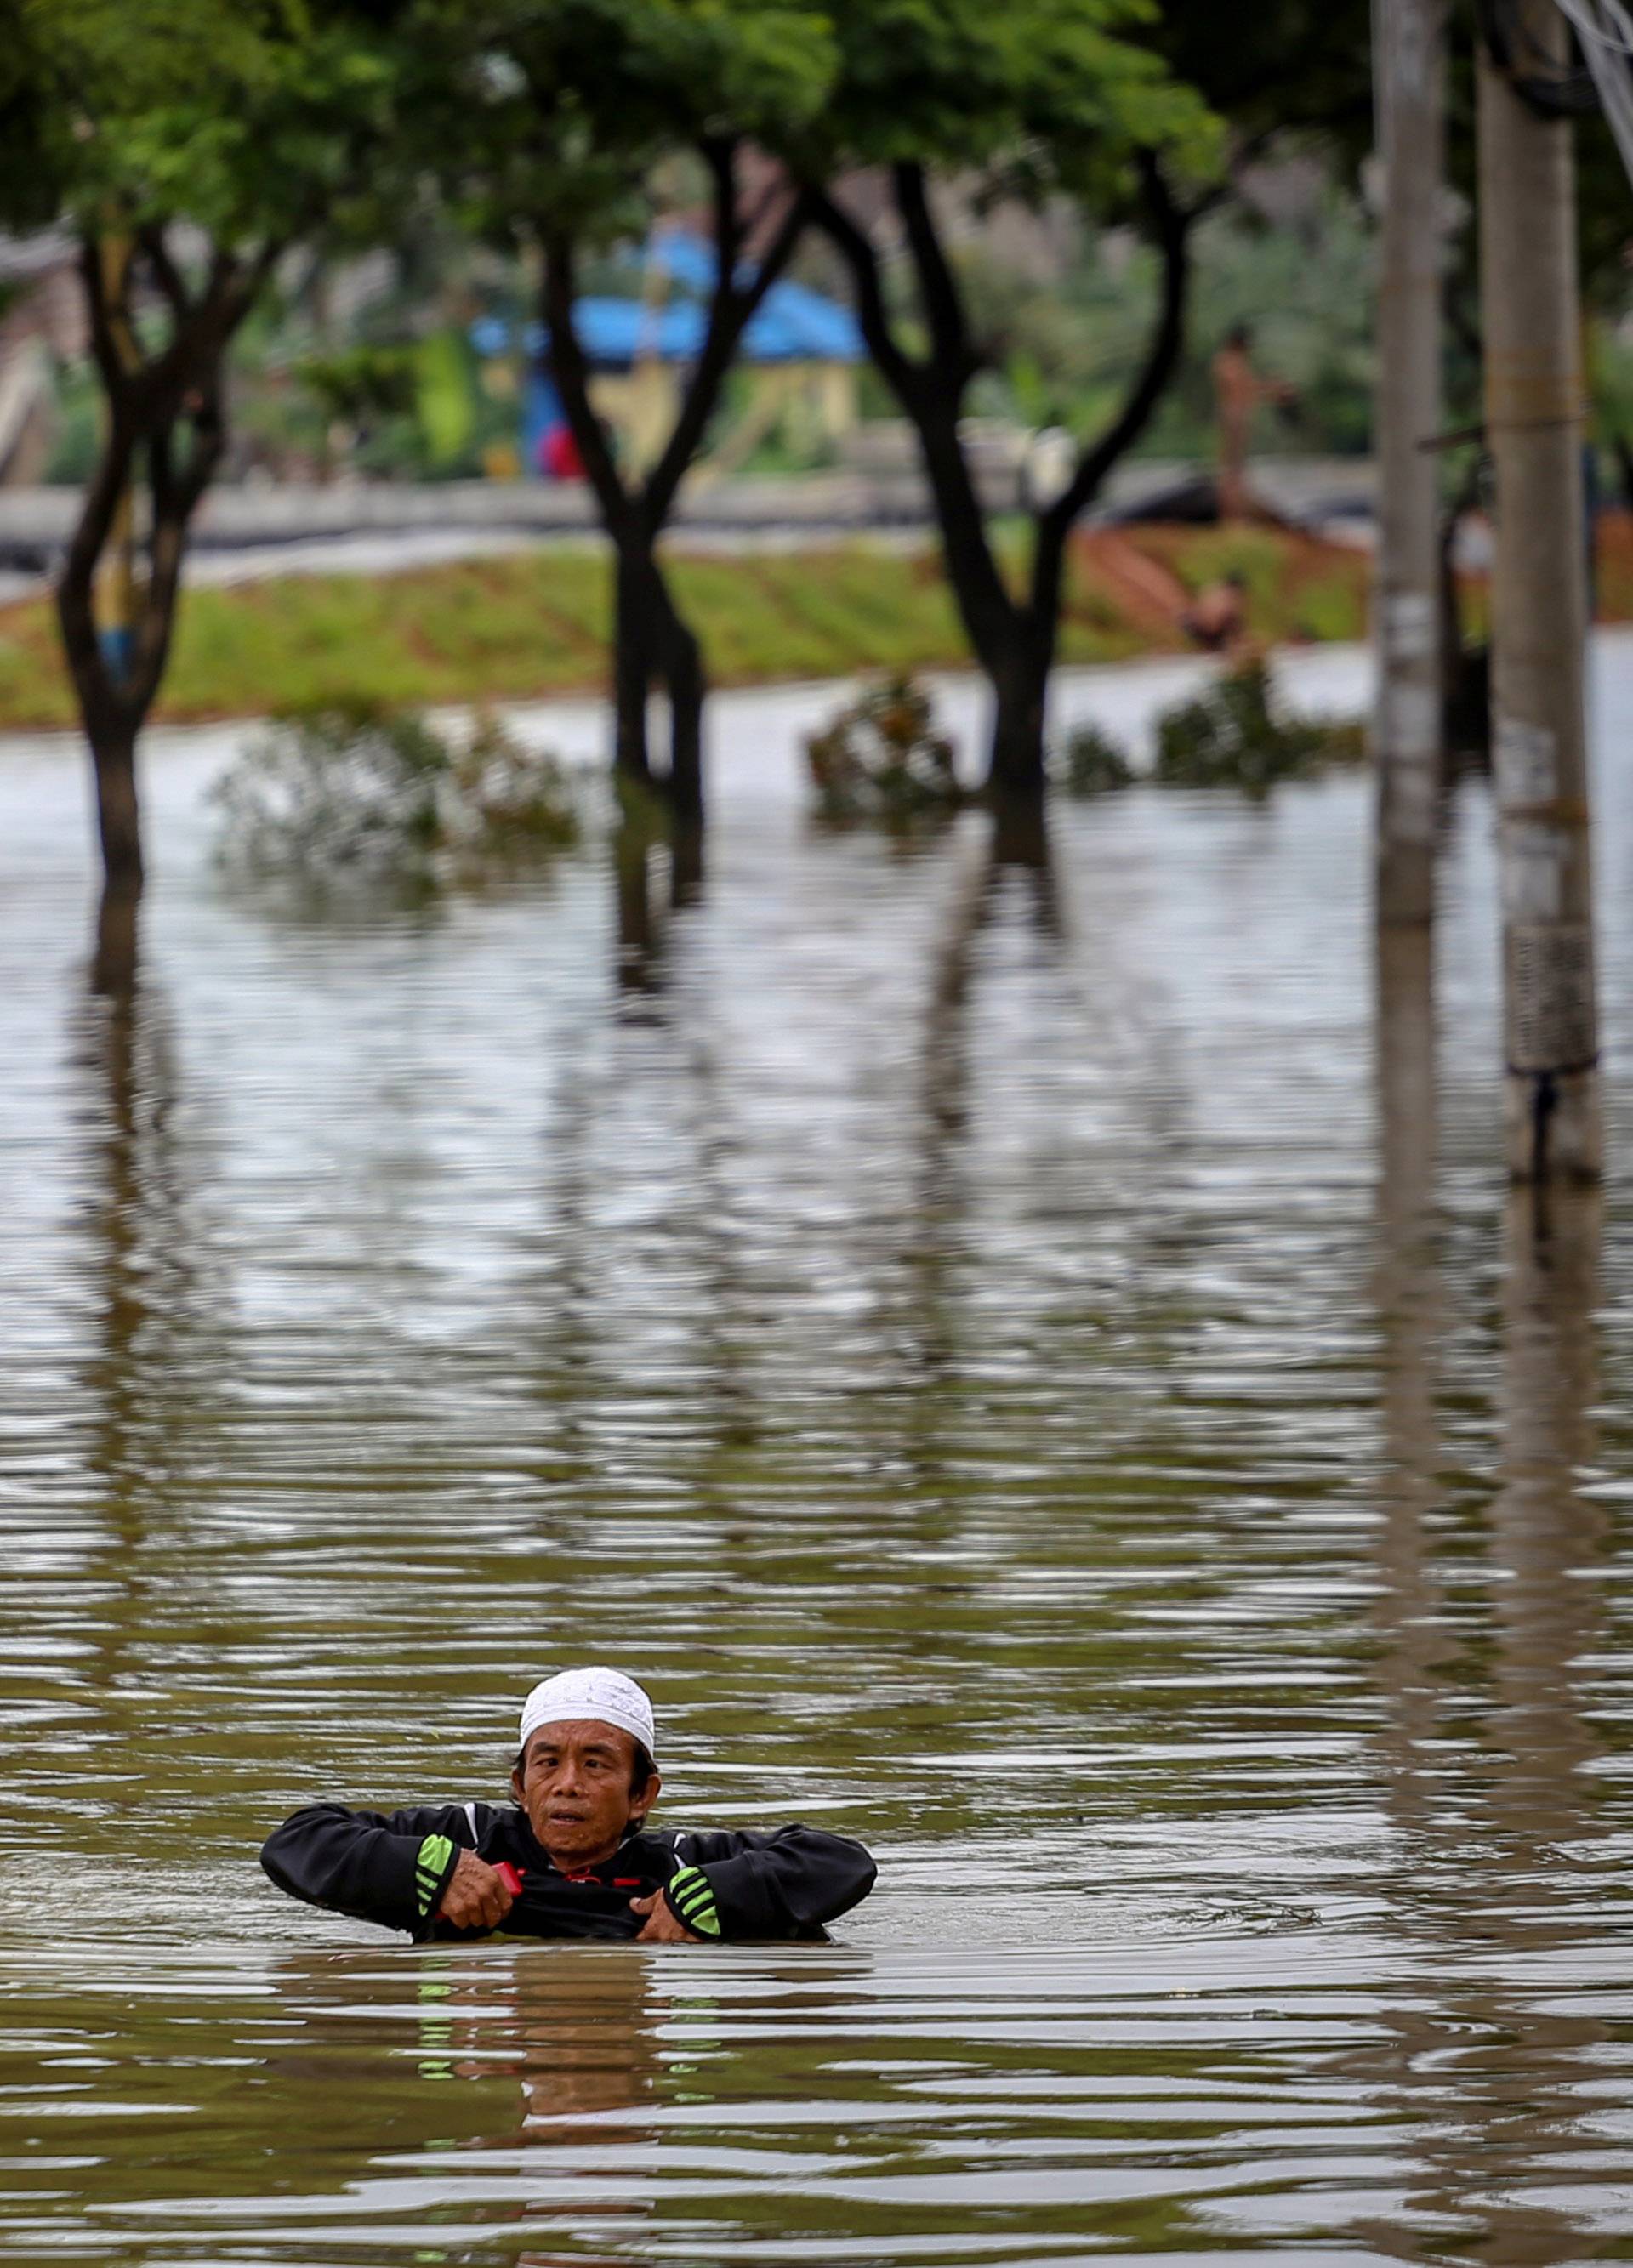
x=1092 y=762
x=1229 y=736
x=508 y=801
x=881 y=758
x=354 y=790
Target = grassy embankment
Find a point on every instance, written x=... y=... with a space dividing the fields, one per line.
x=523 y=627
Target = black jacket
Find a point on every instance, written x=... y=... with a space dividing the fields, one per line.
x=392 y=1867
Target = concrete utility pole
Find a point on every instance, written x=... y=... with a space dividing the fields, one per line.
x=1539 y=612
x=1409 y=77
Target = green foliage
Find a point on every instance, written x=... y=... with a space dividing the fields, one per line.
x=1064 y=356
x=31 y=124
x=1280 y=68
x=252 y=119
x=1038 y=95
x=1610 y=386
x=562 y=113
x=1092 y=763
x=443 y=396
x=360 y=381
x=356 y=790
x=414 y=410
x=76 y=434
x=1231 y=736
x=882 y=759
x=1304 y=284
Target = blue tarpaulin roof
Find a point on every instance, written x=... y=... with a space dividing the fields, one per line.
x=791 y=324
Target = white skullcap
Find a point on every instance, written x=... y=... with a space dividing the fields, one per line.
x=606 y=1694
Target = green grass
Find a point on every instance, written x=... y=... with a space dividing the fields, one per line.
x=525 y=626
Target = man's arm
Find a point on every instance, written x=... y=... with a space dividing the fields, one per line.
x=403 y=1869
x=784 y=1885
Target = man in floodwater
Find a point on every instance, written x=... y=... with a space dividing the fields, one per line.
x=575 y=1857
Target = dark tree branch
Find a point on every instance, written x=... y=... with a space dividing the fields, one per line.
x=105 y=321
x=731 y=308
x=76 y=585
x=166 y=275
x=1171 y=227
x=572 y=373
x=221 y=289
x=857 y=249
x=147 y=402
x=754 y=221
x=938 y=287
x=931 y=396
x=176 y=494
x=251 y=278
x=719 y=155
x=99 y=507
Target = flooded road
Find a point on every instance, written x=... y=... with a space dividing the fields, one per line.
x=1028 y=1368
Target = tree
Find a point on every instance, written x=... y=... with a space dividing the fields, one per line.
x=1049 y=98
x=582 y=109
x=1138 y=115
x=189 y=142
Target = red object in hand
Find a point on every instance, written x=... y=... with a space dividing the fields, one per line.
x=510 y=1876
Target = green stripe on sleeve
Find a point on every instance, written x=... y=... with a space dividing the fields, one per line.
x=691 y=1897
x=431 y=1869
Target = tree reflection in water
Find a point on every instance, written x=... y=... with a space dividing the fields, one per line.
x=1481 y=2064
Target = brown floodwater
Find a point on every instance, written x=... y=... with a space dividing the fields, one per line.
x=1028 y=1367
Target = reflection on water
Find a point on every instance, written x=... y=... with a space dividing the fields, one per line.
x=1021 y=1342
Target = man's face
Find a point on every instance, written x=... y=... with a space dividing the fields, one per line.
x=574 y=1786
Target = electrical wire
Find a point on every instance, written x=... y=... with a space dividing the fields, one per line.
x=1603 y=30
x=1600 y=20
x=1532 y=70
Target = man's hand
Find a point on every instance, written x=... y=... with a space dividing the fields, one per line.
x=476 y=1897
x=661 y=1927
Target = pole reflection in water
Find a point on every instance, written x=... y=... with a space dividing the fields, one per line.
x=1411 y=1310
x=1393 y=2065
x=1548 y=1539
x=1482 y=2058
x=1487 y=2072
x=1541 y=1913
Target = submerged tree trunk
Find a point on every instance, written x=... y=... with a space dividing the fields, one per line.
x=681 y=662
x=114 y=959
x=1015 y=763
x=118 y=808
x=654 y=647
x=631 y=671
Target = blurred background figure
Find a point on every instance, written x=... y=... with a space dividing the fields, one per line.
x=1216 y=618
x=1239 y=390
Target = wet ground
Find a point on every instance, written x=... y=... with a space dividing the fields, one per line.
x=1029 y=1367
